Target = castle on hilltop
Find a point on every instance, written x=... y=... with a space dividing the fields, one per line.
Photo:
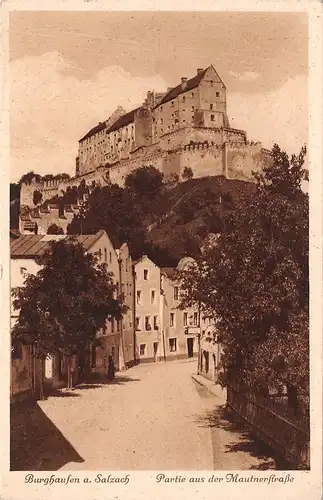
x=187 y=126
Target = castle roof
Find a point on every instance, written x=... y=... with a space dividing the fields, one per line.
x=124 y=120
x=191 y=84
x=94 y=130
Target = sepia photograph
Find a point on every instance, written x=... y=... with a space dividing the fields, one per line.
x=159 y=242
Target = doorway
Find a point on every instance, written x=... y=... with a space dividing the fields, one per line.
x=155 y=351
x=190 y=345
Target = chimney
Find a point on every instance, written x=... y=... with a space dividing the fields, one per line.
x=199 y=71
x=183 y=80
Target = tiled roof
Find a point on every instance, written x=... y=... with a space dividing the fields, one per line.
x=124 y=120
x=31 y=245
x=190 y=85
x=94 y=130
x=170 y=272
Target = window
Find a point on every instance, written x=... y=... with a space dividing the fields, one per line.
x=172 y=104
x=192 y=108
x=211 y=83
x=152 y=297
x=145 y=274
x=211 y=106
x=175 y=292
x=192 y=95
x=212 y=118
x=171 y=319
x=147 y=323
x=195 y=319
x=173 y=345
x=105 y=255
x=138 y=296
x=155 y=322
x=183 y=98
x=185 y=319
x=138 y=324
x=161 y=121
x=142 y=349
x=112 y=325
x=217 y=94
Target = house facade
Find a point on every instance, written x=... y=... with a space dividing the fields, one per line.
x=116 y=339
x=149 y=316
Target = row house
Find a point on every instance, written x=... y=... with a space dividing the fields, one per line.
x=116 y=339
x=164 y=331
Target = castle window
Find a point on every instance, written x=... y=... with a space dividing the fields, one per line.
x=183 y=98
x=212 y=118
x=192 y=108
x=211 y=106
x=192 y=95
x=172 y=104
x=217 y=94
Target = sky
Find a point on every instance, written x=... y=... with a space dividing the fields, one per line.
x=70 y=70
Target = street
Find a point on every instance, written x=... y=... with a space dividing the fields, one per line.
x=152 y=417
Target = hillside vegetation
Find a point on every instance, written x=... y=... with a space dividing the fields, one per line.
x=164 y=220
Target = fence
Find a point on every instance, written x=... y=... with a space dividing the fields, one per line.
x=286 y=434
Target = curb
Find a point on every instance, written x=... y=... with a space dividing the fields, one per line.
x=208 y=388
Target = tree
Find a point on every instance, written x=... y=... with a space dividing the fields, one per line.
x=66 y=303
x=37 y=197
x=14 y=191
x=112 y=209
x=145 y=183
x=255 y=281
x=29 y=176
x=55 y=229
x=187 y=174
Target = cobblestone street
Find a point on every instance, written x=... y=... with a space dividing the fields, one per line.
x=154 y=416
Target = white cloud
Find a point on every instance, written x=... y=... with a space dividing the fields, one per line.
x=277 y=116
x=51 y=111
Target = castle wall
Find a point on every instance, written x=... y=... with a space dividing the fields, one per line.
x=242 y=160
x=202 y=161
x=143 y=127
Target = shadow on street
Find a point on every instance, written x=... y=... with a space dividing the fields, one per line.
x=242 y=441
x=118 y=380
x=35 y=442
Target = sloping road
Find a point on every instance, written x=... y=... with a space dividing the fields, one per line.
x=148 y=419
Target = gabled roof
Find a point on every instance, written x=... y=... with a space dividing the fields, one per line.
x=191 y=84
x=94 y=130
x=170 y=272
x=142 y=258
x=32 y=245
x=124 y=120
